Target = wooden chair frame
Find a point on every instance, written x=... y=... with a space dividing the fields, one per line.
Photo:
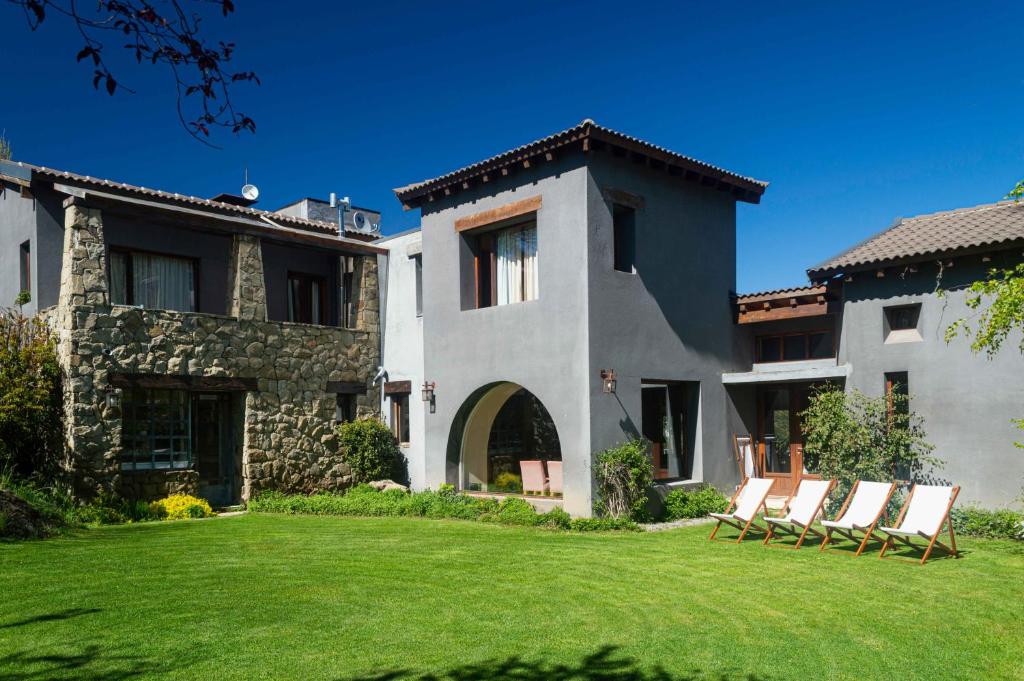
x=750 y=524
x=869 y=533
x=738 y=455
x=806 y=528
x=933 y=541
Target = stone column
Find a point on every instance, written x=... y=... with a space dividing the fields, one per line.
x=247 y=290
x=367 y=303
x=83 y=279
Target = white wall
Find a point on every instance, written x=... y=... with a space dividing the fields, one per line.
x=402 y=331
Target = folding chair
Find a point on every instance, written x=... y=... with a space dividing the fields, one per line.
x=748 y=500
x=923 y=514
x=861 y=512
x=802 y=508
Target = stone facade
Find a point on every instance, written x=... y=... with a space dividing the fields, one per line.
x=287 y=440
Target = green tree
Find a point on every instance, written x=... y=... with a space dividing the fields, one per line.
x=5 y=147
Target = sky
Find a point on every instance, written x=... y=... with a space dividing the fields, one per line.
x=856 y=113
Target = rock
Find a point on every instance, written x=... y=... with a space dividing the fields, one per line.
x=386 y=485
x=18 y=519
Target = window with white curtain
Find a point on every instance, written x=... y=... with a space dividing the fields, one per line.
x=153 y=281
x=506 y=265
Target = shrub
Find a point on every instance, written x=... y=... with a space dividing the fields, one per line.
x=371 y=450
x=853 y=437
x=602 y=525
x=998 y=524
x=624 y=474
x=30 y=398
x=507 y=482
x=514 y=511
x=697 y=503
x=180 y=507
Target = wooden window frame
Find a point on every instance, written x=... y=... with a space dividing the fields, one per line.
x=134 y=459
x=397 y=413
x=129 y=273
x=789 y=334
x=321 y=282
x=484 y=251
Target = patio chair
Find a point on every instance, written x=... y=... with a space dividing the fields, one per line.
x=554 y=477
x=923 y=514
x=861 y=512
x=743 y=507
x=534 y=480
x=802 y=508
x=743 y=449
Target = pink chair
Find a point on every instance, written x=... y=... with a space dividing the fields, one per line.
x=533 y=477
x=555 y=477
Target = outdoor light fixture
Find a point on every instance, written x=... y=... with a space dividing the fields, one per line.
x=608 y=376
x=428 y=394
x=112 y=396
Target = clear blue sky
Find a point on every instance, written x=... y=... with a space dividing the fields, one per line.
x=856 y=114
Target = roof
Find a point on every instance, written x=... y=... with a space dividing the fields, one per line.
x=588 y=135
x=796 y=291
x=925 y=236
x=19 y=169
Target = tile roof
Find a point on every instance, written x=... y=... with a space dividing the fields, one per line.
x=747 y=188
x=923 y=236
x=809 y=290
x=315 y=226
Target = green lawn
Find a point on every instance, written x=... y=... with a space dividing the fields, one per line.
x=263 y=596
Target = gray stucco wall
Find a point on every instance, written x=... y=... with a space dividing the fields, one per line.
x=18 y=217
x=671 y=320
x=402 y=356
x=540 y=344
x=966 y=400
x=213 y=251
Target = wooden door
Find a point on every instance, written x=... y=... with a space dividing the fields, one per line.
x=656 y=427
x=779 y=437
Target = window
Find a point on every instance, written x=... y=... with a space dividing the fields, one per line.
x=400 y=417
x=346 y=318
x=897 y=401
x=156 y=429
x=624 y=228
x=345 y=409
x=306 y=299
x=901 y=324
x=153 y=281
x=506 y=265
x=419 y=284
x=795 y=346
x=25 y=260
x=666 y=428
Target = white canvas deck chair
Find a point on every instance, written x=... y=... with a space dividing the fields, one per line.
x=744 y=506
x=861 y=512
x=743 y=450
x=801 y=510
x=923 y=514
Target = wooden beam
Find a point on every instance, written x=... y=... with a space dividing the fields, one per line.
x=504 y=171
x=346 y=387
x=548 y=156
x=526 y=163
x=509 y=210
x=397 y=387
x=180 y=382
x=624 y=198
x=752 y=316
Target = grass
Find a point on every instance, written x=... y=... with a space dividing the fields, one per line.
x=270 y=596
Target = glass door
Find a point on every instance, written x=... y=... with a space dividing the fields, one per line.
x=780 y=437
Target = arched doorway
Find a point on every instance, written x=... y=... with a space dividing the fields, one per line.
x=498 y=427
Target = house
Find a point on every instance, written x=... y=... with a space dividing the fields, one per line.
x=208 y=347
x=579 y=290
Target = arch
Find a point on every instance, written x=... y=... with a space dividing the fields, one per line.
x=497 y=426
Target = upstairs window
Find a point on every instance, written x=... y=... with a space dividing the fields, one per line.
x=793 y=347
x=25 y=261
x=418 y=264
x=624 y=246
x=307 y=295
x=506 y=265
x=346 y=316
x=153 y=281
x=902 y=324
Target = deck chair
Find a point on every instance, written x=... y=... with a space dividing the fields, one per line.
x=743 y=507
x=534 y=481
x=923 y=514
x=861 y=512
x=554 y=477
x=802 y=508
x=743 y=450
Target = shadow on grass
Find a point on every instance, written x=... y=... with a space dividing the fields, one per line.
x=50 y=617
x=602 y=665
x=88 y=664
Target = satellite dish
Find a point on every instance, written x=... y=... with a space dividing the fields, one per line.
x=359 y=221
x=250 y=192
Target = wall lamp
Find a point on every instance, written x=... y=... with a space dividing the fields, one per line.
x=427 y=393
x=113 y=397
x=608 y=377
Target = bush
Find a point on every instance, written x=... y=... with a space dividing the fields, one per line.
x=180 y=507
x=624 y=474
x=602 y=525
x=507 y=482
x=697 y=503
x=31 y=412
x=998 y=524
x=371 y=450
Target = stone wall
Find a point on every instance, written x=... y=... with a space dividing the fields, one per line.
x=287 y=439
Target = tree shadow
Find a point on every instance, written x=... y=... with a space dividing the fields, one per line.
x=50 y=617
x=89 y=664
x=601 y=665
